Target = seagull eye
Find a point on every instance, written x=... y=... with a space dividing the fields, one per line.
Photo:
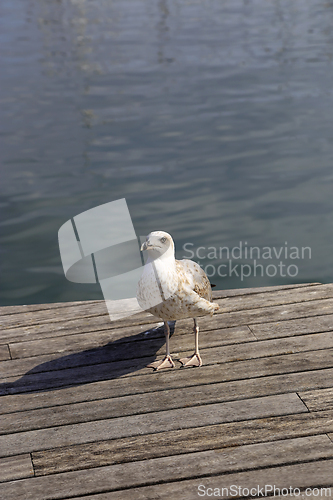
x=163 y=240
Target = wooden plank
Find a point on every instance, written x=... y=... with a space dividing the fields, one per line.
x=146 y=381
x=88 y=324
x=16 y=467
x=155 y=382
x=160 y=470
x=312 y=324
x=307 y=475
x=238 y=370
x=109 y=408
x=228 y=320
x=319 y=493
x=22 y=309
x=4 y=351
x=86 y=309
x=161 y=444
x=220 y=294
x=92 y=308
x=120 y=349
x=98 y=325
x=273 y=298
x=117 y=351
x=72 y=325
x=144 y=423
x=219 y=461
x=101 y=326
x=268 y=314
x=141 y=352
x=321 y=399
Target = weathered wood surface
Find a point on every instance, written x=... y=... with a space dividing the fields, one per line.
x=17 y=467
x=4 y=352
x=82 y=417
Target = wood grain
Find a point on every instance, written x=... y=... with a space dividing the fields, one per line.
x=127 y=350
x=175 y=442
x=96 y=308
x=267 y=299
x=16 y=467
x=300 y=326
x=4 y=352
x=320 y=399
x=148 y=382
x=23 y=309
x=55 y=372
x=48 y=436
x=218 y=294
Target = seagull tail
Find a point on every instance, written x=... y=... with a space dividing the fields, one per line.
x=215 y=307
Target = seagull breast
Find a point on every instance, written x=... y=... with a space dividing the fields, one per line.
x=172 y=289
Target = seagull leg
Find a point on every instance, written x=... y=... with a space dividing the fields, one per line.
x=194 y=360
x=167 y=361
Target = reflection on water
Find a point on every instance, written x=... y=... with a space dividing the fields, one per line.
x=213 y=119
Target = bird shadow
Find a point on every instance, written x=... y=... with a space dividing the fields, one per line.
x=110 y=361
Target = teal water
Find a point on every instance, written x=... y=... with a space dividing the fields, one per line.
x=214 y=119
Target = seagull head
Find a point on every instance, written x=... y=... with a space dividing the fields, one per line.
x=158 y=244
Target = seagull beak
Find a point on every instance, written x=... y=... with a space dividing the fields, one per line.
x=144 y=246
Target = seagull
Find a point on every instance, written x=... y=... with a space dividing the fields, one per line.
x=173 y=289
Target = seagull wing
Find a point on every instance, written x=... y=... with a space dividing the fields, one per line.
x=196 y=278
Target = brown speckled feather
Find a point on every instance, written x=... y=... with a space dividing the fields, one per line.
x=196 y=278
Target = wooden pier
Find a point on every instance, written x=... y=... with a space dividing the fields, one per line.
x=82 y=417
